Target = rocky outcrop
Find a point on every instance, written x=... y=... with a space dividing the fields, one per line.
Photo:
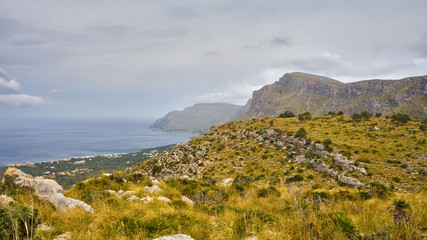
x=301 y=92
x=175 y=237
x=46 y=189
x=200 y=117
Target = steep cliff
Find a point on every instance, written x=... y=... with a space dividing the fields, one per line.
x=300 y=92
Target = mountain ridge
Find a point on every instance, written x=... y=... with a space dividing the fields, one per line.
x=299 y=92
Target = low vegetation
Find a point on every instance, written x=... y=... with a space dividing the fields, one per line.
x=271 y=194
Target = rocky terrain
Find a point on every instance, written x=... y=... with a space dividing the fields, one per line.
x=301 y=92
x=329 y=177
x=199 y=118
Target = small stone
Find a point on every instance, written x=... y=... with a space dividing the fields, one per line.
x=164 y=199
x=175 y=237
x=64 y=236
x=5 y=200
x=187 y=200
x=227 y=182
x=153 y=188
x=134 y=198
x=146 y=199
x=44 y=228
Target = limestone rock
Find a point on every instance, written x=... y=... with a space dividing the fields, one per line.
x=5 y=200
x=164 y=199
x=175 y=237
x=44 y=228
x=46 y=189
x=64 y=236
x=153 y=188
x=187 y=200
x=227 y=182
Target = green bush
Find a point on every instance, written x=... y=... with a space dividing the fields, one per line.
x=296 y=178
x=304 y=116
x=287 y=114
x=301 y=133
x=401 y=118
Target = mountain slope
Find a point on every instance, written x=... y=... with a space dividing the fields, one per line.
x=272 y=151
x=301 y=92
x=200 y=117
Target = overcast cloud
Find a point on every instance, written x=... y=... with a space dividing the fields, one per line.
x=145 y=58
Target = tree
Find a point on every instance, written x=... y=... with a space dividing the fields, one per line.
x=357 y=117
x=333 y=114
x=366 y=115
x=340 y=113
x=400 y=117
x=287 y=114
x=377 y=115
x=423 y=125
x=304 y=116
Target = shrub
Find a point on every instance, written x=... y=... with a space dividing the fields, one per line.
x=14 y=221
x=330 y=113
x=296 y=178
x=345 y=223
x=301 y=133
x=266 y=192
x=356 y=117
x=366 y=115
x=377 y=115
x=309 y=154
x=400 y=118
x=327 y=142
x=304 y=116
x=340 y=113
x=287 y=114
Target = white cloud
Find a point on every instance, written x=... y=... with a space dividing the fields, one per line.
x=55 y=91
x=9 y=86
x=21 y=100
x=420 y=62
x=10 y=93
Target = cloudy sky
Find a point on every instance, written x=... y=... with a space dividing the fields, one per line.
x=137 y=59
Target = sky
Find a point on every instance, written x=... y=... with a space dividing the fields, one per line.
x=141 y=59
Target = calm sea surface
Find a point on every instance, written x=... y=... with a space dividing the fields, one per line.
x=35 y=141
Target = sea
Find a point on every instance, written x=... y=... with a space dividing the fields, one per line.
x=34 y=141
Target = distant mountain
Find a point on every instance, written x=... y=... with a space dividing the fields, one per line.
x=301 y=92
x=200 y=117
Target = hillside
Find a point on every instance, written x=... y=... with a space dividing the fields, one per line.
x=199 y=118
x=255 y=179
x=267 y=150
x=301 y=92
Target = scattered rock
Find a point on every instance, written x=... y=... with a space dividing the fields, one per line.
x=44 y=228
x=227 y=182
x=5 y=200
x=146 y=199
x=46 y=189
x=187 y=200
x=153 y=188
x=133 y=198
x=64 y=236
x=164 y=199
x=175 y=237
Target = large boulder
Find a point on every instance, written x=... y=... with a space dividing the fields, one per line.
x=46 y=189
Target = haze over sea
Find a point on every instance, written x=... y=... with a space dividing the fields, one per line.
x=36 y=140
